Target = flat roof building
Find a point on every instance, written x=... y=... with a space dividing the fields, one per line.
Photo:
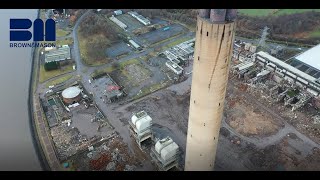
x=140 y=18
x=134 y=44
x=113 y=91
x=289 y=72
x=61 y=54
x=308 y=62
x=118 y=22
x=311 y=57
x=117 y=12
x=174 y=67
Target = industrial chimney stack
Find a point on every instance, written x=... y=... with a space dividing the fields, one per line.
x=213 y=51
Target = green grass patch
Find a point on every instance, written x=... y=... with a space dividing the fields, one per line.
x=101 y=71
x=191 y=27
x=315 y=34
x=165 y=40
x=84 y=45
x=111 y=68
x=255 y=12
x=150 y=89
x=45 y=75
x=273 y=12
x=178 y=41
x=294 y=11
x=292 y=93
x=61 y=32
x=59 y=80
x=128 y=62
x=65 y=41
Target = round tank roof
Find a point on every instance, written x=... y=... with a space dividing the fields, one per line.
x=71 y=92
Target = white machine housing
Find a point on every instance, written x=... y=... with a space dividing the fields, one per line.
x=140 y=126
x=165 y=153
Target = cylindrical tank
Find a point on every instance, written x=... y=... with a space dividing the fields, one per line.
x=218 y=15
x=71 y=95
x=204 y=13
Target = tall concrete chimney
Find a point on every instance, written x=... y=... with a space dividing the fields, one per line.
x=213 y=51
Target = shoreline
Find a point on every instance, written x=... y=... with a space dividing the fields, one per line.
x=34 y=131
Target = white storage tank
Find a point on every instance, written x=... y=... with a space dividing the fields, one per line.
x=166 y=148
x=141 y=121
x=71 y=95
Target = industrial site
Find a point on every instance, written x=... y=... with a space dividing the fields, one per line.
x=140 y=93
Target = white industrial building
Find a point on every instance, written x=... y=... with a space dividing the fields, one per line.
x=140 y=18
x=117 y=12
x=308 y=62
x=174 y=67
x=60 y=54
x=181 y=52
x=140 y=127
x=289 y=73
x=118 y=22
x=165 y=154
x=134 y=44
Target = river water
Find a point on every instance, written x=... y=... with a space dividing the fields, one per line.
x=17 y=151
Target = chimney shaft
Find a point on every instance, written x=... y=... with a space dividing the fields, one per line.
x=204 y=13
x=213 y=51
x=218 y=15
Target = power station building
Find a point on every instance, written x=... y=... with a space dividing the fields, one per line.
x=304 y=73
x=308 y=62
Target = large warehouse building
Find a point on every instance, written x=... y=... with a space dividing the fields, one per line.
x=308 y=62
x=54 y=57
x=291 y=73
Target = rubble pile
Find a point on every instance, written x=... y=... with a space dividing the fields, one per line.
x=68 y=140
x=112 y=155
x=100 y=162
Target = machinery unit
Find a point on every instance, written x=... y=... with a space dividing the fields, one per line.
x=165 y=154
x=140 y=127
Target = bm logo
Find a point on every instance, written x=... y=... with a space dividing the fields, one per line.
x=19 y=30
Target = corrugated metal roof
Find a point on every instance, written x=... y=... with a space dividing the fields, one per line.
x=311 y=57
x=134 y=44
x=60 y=54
